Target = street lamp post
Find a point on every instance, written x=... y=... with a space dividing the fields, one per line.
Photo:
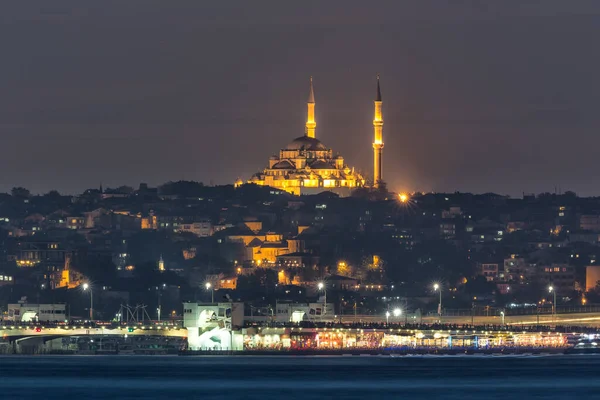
x=158 y=307
x=322 y=286
x=397 y=312
x=551 y=290
x=436 y=286
x=212 y=291
x=502 y=314
x=387 y=317
x=87 y=286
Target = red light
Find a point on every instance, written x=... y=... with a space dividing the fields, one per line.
x=38 y=329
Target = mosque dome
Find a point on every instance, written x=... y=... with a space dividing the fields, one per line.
x=306 y=143
x=306 y=165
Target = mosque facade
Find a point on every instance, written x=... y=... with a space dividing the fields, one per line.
x=307 y=166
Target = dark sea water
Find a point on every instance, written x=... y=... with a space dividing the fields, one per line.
x=290 y=377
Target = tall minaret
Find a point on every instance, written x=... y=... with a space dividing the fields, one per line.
x=310 y=118
x=378 y=140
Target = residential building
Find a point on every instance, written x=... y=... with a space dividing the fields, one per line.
x=200 y=229
x=515 y=269
x=560 y=276
x=592 y=277
x=590 y=222
x=490 y=271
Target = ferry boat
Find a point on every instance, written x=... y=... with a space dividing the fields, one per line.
x=585 y=346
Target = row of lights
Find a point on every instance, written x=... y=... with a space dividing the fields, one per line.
x=466 y=332
x=89 y=327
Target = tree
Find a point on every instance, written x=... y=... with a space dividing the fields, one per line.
x=97 y=269
x=343 y=268
x=372 y=269
x=382 y=186
x=373 y=194
x=361 y=193
x=479 y=286
x=53 y=194
x=182 y=189
x=259 y=284
x=147 y=246
x=124 y=189
x=20 y=192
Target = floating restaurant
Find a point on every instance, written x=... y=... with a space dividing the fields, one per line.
x=221 y=327
x=349 y=338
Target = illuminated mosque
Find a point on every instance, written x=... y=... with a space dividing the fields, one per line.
x=307 y=166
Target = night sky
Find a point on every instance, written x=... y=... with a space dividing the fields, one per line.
x=502 y=97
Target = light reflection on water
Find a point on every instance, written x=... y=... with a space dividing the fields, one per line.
x=295 y=377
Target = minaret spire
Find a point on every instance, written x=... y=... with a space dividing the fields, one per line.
x=310 y=118
x=378 y=139
x=311 y=94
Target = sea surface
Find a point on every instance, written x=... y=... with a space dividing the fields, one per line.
x=300 y=377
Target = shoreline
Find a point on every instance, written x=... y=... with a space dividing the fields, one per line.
x=332 y=353
x=382 y=352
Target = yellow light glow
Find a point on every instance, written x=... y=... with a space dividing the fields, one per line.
x=403 y=197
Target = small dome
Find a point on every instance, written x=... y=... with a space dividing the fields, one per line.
x=306 y=143
x=320 y=164
x=285 y=164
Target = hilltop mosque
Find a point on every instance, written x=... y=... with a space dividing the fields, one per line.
x=307 y=166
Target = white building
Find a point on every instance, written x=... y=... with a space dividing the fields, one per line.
x=214 y=326
x=200 y=229
x=24 y=312
x=298 y=312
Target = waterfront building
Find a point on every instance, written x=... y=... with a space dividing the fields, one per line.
x=214 y=326
x=23 y=312
x=298 y=312
x=295 y=338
